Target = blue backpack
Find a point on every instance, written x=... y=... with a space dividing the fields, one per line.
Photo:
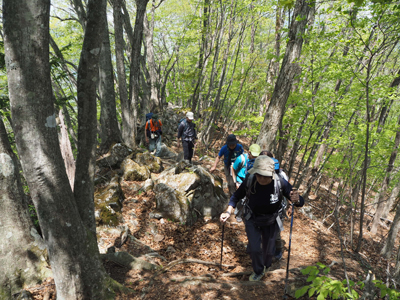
x=149 y=116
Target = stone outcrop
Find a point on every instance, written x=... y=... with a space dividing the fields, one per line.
x=187 y=194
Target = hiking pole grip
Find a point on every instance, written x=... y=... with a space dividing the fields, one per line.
x=290 y=244
x=222 y=245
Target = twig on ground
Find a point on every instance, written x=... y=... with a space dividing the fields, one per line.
x=187 y=261
x=236 y=274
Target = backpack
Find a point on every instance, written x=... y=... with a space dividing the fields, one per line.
x=149 y=116
x=182 y=120
x=184 y=128
x=243 y=210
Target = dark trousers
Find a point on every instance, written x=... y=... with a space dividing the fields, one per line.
x=261 y=244
x=187 y=150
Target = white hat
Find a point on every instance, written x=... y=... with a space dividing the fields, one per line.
x=263 y=165
x=189 y=115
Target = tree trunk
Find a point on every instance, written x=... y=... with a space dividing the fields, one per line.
x=66 y=149
x=148 y=31
x=121 y=74
x=73 y=252
x=17 y=267
x=134 y=87
x=394 y=229
x=109 y=130
x=385 y=184
x=289 y=69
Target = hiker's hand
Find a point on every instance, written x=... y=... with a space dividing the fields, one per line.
x=224 y=216
x=289 y=211
x=237 y=185
x=212 y=169
x=147 y=140
x=294 y=196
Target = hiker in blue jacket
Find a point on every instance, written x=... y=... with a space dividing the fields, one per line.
x=264 y=193
x=230 y=151
x=187 y=131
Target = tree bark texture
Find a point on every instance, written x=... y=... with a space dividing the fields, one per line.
x=22 y=259
x=66 y=149
x=151 y=64
x=121 y=74
x=88 y=78
x=134 y=87
x=73 y=252
x=289 y=69
x=109 y=130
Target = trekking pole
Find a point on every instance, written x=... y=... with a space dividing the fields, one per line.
x=290 y=243
x=222 y=245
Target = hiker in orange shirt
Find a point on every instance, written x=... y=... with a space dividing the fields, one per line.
x=153 y=134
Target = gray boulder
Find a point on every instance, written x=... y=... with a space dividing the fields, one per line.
x=132 y=171
x=187 y=194
x=114 y=157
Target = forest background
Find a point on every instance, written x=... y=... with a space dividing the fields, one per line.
x=317 y=81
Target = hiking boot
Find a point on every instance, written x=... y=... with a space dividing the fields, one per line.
x=255 y=277
x=153 y=152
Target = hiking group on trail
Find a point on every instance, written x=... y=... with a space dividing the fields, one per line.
x=259 y=191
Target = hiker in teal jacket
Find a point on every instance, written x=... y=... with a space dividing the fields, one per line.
x=244 y=163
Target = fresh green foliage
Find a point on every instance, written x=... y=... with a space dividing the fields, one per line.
x=325 y=287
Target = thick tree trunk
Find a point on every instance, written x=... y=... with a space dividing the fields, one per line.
x=109 y=130
x=289 y=69
x=73 y=252
x=18 y=245
x=121 y=74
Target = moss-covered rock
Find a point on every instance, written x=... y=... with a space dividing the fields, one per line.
x=154 y=164
x=132 y=171
x=108 y=203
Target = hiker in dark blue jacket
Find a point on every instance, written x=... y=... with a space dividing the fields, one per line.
x=187 y=131
x=230 y=151
x=264 y=198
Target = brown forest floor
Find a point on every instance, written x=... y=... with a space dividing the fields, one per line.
x=312 y=241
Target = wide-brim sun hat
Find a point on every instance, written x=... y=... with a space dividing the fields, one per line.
x=231 y=140
x=255 y=150
x=263 y=165
x=190 y=115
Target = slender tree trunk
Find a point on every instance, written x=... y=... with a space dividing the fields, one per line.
x=289 y=69
x=385 y=184
x=121 y=74
x=392 y=236
x=148 y=31
x=109 y=130
x=134 y=87
x=73 y=252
